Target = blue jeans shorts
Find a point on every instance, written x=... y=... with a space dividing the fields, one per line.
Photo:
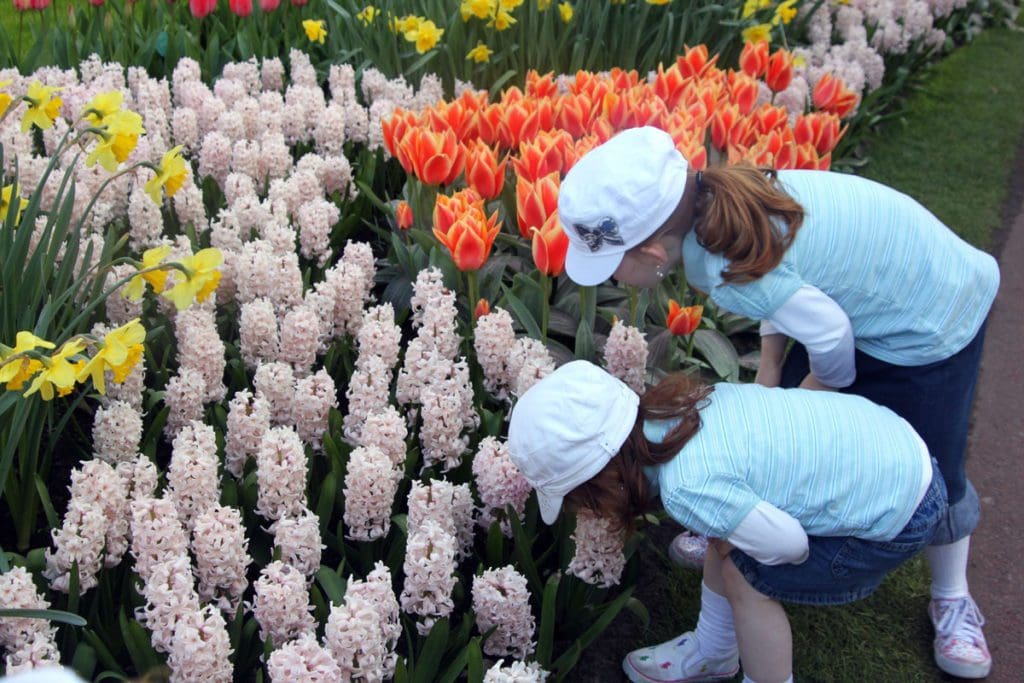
x=936 y=400
x=841 y=569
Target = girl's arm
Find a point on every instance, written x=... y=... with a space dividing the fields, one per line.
x=817 y=321
x=770 y=536
x=773 y=347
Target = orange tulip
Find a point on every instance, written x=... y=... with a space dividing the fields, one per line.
x=682 y=321
x=669 y=85
x=403 y=215
x=722 y=123
x=768 y=118
x=486 y=122
x=617 y=108
x=519 y=123
x=541 y=86
x=807 y=157
x=395 y=128
x=454 y=116
x=470 y=237
x=483 y=171
x=574 y=114
x=437 y=158
x=819 y=128
x=743 y=91
x=832 y=95
x=780 y=70
x=535 y=202
x=694 y=61
x=544 y=155
x=550 y=245
x=754 y=58
x=483 y=307
x=448 y=209
x=622 y=79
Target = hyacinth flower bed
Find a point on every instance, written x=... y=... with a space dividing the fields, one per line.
x=259 y=337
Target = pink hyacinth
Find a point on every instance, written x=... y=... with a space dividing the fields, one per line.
x=222 y=559
x=599 y=558
x=201 y=649
x=529 y=362
x=139 y=477
x=493 y=337
x=300 y=339
x=367 y=393
x=80 y=539
x=98 y=483
x=120 y=309
x=248 y=419
x=370 y=486
x=516 y=672
x=201 y=348
x=280 y=474
x=314 y=397
x=430 y=574
x=379 y=335
x=346 y=283
x=17 y=591
x=281 y=604
x=329 y=133
x=336 y=176
x=170 y=596
x=441 y=437
x=361 y=255
x=355 y=637
x=37 y=652
x=298 y=538
x=116 y=432
x=499 y=483
x=316 y=218
x=145 y=222
x=450 y=505
x=625 y=355
x=275 y=383
x=193 y=483
x=303 y=659
x=257 y=332
x=157 y=534
x=386 y=430
x=214 y=153
x=502 y=600
x=377 y=589
x=184 y=396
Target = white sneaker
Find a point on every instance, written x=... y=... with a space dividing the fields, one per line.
x=960 y=648
x=688 y=550
x=678 y=661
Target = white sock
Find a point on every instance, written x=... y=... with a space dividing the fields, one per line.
x=748 y=679
x=715 y=632
x=949 y=568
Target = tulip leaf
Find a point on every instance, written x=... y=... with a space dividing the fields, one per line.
x=719 y=352
x=522 y=314
x=584 y=341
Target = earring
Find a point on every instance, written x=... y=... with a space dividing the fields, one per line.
x=660 y=272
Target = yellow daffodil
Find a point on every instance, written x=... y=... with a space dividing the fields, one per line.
x=799 y=61
x=118 y=137
x=368 y=14
x=544 y=5
x=758 y=33
x=565 y=10
x=171 y=174
x=658 y=2
x=18 y=371
x=58 y=372
x=10 y=200
x=479 y=54
x=43 y=107
x=426 y=36
x=509 y=4
x=5 y=99
x=316 y=30
x=406 y=25
x=481 y=9
x=502 y=20
x=119 y=351
x=749 y=7
x=102 y=106
x=201 y=278
x=151 y=258
x=784 y=13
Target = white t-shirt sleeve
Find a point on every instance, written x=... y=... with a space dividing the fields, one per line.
x=815 y=320
x=770 y=536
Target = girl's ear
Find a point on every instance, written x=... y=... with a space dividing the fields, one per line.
x=653 y=252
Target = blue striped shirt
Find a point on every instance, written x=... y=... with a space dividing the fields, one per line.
x=837 y=463
x=914 y=292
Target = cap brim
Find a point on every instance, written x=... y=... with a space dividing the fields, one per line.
x=550 y=505
x=587 y=269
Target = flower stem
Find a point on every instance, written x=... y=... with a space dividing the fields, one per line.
x=472 y=291
x=545 y=306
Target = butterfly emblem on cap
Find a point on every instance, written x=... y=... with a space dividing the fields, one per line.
x=606 y=232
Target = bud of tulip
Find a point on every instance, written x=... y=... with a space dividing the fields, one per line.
x=682 y=321
x=437 y=158
x=754 y=58
x=483 y=307
x=550 y=245
x=201 y=8
x=40 y=4
x=403 y=215
x=269 y=5
x=241 y=8
x=832 y=95
x=483 y=172
x=470 y=237
x=535 y=202
x=22 y=5
x=780 y=70
x=96 y=3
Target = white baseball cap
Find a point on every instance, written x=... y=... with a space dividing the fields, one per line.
x=615 y=197
x=566 y=428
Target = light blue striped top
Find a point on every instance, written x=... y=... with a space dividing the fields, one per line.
x=915 y=293
x=837 y=463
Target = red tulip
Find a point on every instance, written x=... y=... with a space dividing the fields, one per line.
x=403 y=215
x=40 y=4
x=743 y=91
x=269 y=5
x=519 y=123
x=483 y=307
x=483 y=171
x=241 y=8
x=722 y=123
x=754 y=58
x=535 y=202
x=550 y=245
x=682 y=321
x=574 y=114
x=832 y=95
x=768 y=118
x=201 y=8
x=669 y=85
x=780 y=70
x=96 y=3
x=22 y=5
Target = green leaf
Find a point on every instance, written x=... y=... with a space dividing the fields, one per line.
x=334 y=586
x=48 y=614
x=584 y=341
x=719 y=352
x=523 y=555
x=84 y=661
x=522 y=314
x=545 y=641
x=44 y=498
x=608 y=614
x=141 y=652
x=640 y=610
x=430 y=656
x=325 y=503
x=475 y=662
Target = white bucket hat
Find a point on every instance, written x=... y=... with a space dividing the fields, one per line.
x=615 y=197
x=566 y=428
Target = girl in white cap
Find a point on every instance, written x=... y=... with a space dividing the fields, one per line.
x=882 y=299
x=808 y=497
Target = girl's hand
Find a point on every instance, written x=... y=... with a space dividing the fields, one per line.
x=720 y=546
x=769 y=367
x=811 y=382
x=768 y=375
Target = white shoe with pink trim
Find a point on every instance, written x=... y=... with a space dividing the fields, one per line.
x=678 y=661
x=960 y=648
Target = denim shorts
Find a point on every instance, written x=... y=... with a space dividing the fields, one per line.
x=841 y=569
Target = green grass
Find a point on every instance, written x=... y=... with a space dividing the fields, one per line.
x=955 y=149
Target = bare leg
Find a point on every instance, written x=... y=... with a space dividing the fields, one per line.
x=762 y=628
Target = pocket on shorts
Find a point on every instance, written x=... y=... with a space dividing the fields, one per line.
x=861 y=557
